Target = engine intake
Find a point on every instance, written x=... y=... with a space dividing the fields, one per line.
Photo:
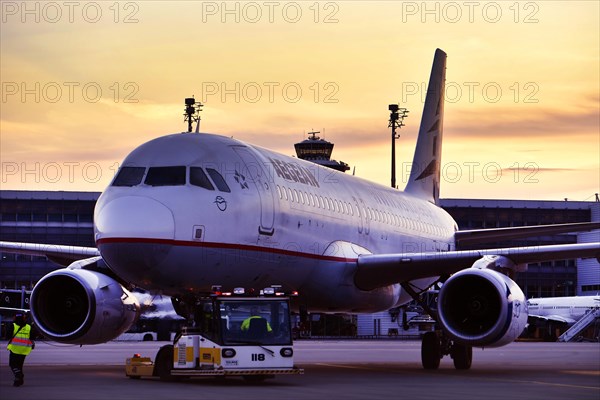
x=482 y=307
x=78 y=306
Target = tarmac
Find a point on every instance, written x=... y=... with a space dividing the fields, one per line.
x=355 y=369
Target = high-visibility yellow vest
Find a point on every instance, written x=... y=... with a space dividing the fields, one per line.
x=21 y=343
x=246 y=324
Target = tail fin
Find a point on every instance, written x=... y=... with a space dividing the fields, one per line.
x=424 y=181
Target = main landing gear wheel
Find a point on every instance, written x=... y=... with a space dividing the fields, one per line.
x=462 y=356
x=431 y=352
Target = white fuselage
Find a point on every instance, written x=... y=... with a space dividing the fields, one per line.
x=278 y=221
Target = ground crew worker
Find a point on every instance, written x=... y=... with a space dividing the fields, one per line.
x=20 y=345
x=253 y=315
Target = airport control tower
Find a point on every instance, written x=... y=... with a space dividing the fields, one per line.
x=319 y=150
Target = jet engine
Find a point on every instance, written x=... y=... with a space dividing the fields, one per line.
x=481 y=307
x=79 y=306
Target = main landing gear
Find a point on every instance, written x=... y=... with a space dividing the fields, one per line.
x=436 y=345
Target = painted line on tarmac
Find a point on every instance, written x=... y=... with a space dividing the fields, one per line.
x=587 y=373
x=347 y=366
x=541 y=383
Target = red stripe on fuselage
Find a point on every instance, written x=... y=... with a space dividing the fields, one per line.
x=216 y=245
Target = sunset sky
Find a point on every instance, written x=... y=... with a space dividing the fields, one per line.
x=83 y=83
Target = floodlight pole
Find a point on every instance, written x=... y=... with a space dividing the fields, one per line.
x=397 y=116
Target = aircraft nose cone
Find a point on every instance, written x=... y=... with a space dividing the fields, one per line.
x=134 y=217
x=134 y=235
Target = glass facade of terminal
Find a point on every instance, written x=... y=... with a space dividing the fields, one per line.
x=42 y=217
x=547 y=279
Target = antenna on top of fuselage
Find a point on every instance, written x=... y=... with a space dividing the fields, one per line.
x=192 y=113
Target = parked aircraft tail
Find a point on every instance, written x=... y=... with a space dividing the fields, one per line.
x=424 y=180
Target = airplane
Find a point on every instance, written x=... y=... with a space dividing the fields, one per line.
x=189 y=211
x=566 y=310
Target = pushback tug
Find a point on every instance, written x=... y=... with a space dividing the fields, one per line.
x=230 y=334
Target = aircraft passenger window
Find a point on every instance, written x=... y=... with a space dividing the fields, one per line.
x=165 y=176
x=129 y=176
x=199 y=178
x=218 y=180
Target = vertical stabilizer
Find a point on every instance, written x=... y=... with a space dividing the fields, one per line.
x=424 y=181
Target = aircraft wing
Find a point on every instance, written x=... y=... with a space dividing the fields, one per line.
x=475 y=236
x=63 y=255
x=555 y=318
x=378 y=270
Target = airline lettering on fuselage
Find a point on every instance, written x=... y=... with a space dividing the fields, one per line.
x=294 y=173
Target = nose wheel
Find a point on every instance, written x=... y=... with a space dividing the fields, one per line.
x=435 y=345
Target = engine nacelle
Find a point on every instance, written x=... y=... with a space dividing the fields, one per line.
x=79 y=306
x=482 y=308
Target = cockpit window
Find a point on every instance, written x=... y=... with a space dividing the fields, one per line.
x=129 y=176
x=165 y=176
x=199 y=178
x=218 y=180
